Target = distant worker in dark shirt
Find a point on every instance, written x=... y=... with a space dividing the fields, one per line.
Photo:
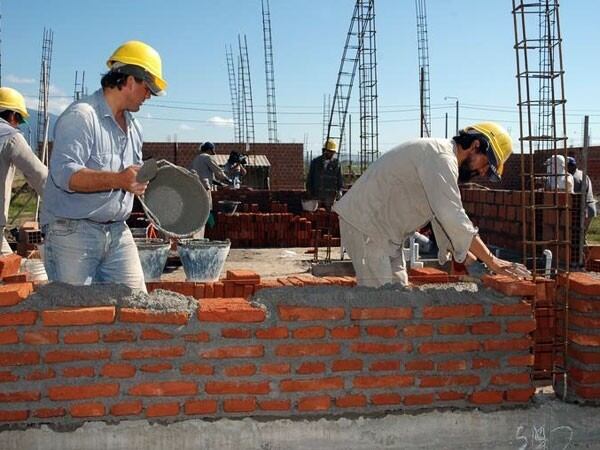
x=325 y=181
x=590 y=201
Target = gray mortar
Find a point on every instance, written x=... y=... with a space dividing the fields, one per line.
x=56 y=295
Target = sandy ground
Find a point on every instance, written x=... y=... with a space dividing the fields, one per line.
x=267 y=262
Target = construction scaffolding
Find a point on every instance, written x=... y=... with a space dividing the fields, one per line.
x=79 y=90
x=42 y=117
x=423 y=52
x=245 y=93
x=269 y=72
x=359 y=52
x=233 y=91
x=546 y=213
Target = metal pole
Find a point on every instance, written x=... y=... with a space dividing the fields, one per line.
x=349 y=143
x=584 y=188
x=446 y=133
x=457 y=117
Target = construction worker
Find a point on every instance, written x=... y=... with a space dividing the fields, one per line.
x=590 y=201
x=415 y=183
x=325 y=181
x=206 y=168
x=96 y=156
x=15 y=153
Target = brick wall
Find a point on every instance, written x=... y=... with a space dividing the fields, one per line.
x=290 y=352
x=287 y=163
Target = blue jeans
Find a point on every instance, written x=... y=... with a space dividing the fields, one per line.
x=83 y=252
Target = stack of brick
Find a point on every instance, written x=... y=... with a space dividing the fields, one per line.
x=289 y=353
x=29 y=236
x=583 y=351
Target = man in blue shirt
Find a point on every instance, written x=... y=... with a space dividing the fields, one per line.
x=96 y=155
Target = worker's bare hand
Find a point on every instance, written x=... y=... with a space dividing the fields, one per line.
x=502 y=267
x=129 y=181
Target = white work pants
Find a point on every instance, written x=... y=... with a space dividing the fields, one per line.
x=376 y=263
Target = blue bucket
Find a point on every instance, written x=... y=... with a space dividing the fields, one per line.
x=153 y=255
x=202 y=259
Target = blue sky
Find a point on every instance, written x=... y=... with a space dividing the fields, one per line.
x=471 y=57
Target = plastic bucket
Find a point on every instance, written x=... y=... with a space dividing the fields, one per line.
x=202 y=259
x=153 y=256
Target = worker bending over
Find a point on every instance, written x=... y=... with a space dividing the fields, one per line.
x=15 y=153
x=96 y=156
x=206 y=168
x=415 y=183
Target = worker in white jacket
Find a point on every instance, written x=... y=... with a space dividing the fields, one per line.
x=411 y=185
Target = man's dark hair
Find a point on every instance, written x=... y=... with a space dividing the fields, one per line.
x=7 y=115
x=113 y=79
x=465 y=140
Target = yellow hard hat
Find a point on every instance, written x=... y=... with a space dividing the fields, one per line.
x=330 y=145
x=137 y=53
x=12 y=100
x=500 y=143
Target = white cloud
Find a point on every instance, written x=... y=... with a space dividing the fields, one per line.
x=14 y=79
x=185 y=127
x=220 y=122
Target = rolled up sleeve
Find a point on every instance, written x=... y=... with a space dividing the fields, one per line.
x=72 y=147
x=452 y=227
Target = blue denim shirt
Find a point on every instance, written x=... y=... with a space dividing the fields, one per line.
x=86 y=135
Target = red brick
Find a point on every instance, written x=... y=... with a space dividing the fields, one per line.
x=164 y=388
x=585 y=357
x=152 y=334
x=588 y=392
x=519 y=395
x=486 y=328
x=451 y=366
x=448 y=347
x=237 y=387
x=520 y=309
x=13 y=415
x=272 y=333
x=455 y=311
x=79 y=316
x=449 y=396
x=295 y=313
x=7 y=376
x=481 y=363
x=486 y=397
x=9 y=337
x=454 y=380
x=521 y=360
x=319 y=403
x=94 y=409
x=196 y=369
x=192 y=407
x=248 y=276
x=582 y=283
x=452 y=328
x=509 y=286
x=47 y=413
x=378 y=366
x=420 y=330
x=116 y=370
x=242 y=370
x=374 y=347
x=157 y=352
x=229 y=310
x=418 y=399
x=584 y=376
x=44 y=374
x=18 y=318
x=19 y=358
x=236 y=333
x=41 y=337
x=507 y=345
x=386 y=399
x=274 y=405
x=250 y=351
x=374 y=382
x=511 y=378
x=14 y=293
x=76 y=372
x=9 y=264
x=130 y=408
x=162 y=410
x=311 y=367
x=201 y=336
x=19 y=396
x=133 y=315
x=275 y=369
x=307 y=349
x=21 y=277
x=381 y=313
x=240 y=405
x=83 y=391
x=524 y=326
x=419 y=365
x=382 y=331
x=309 y=333
x=76 y=355
x=119 y=336
x=581 y=321
x=82 y=337
x=350 y=332
x=351 y=401
x=156 y=368
x=317 y=384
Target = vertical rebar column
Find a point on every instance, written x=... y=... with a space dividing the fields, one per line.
x=233 y=92
x=248 y=109
x=423 y=52
x=42 y=118
x=269 y=72
x=79 y=87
